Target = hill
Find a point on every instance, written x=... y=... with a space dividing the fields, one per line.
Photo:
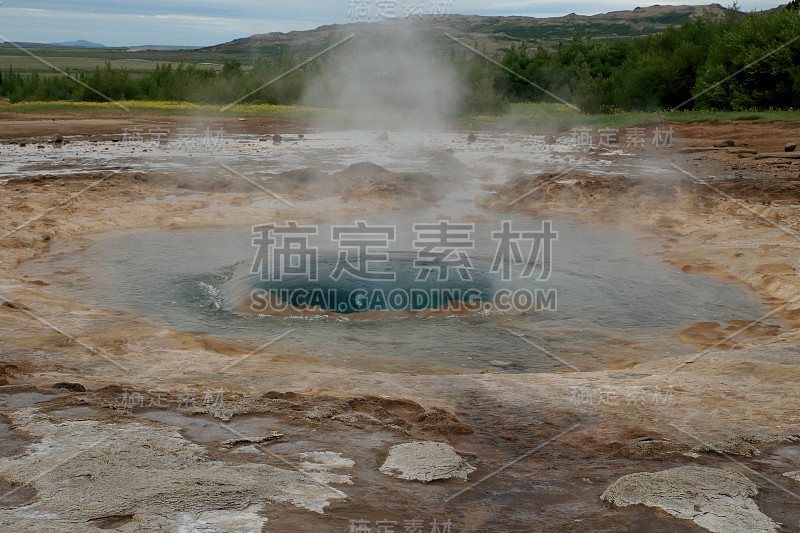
x=490 y=34
x=80 y=44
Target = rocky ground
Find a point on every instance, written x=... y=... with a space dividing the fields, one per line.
x=108 y=421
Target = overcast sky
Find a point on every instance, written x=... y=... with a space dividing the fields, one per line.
x=206 y=22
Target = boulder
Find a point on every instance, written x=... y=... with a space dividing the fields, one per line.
x=425 y=461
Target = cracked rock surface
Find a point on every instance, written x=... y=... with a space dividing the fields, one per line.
x=719 y=500
x=87 y=471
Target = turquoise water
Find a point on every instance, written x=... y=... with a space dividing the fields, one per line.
x=611 y=291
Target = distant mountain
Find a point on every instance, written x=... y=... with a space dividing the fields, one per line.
x=158 y=48
x=490 y=34
x=80 y=44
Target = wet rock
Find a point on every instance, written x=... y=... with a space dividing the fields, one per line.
x=471 y=138
x=778 y=155
x=769 y=438
x=322 y=412
x=277 y=139
x=15 y=305
x=743 y=444
x=358 y=420
x=439 y=421
x=425 y=461
x=719 y=500
x=383 y=137
x=58 y=139
x=75 y=387
x=225 y=410
x=790 y=147
x=232 y=443
x=728 y=447
x=550 y=139
x=647 y=447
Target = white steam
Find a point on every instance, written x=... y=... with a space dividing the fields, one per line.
x=388 y=77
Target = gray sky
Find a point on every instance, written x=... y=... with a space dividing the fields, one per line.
x=206 y=22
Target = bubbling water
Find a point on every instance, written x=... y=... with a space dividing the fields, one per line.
x=392 y=287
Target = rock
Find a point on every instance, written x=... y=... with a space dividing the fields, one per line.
x=795 y=475
x=471 y=138
x=425 y=461
x=778 y=155
x=76 y=387
x=58 y=139
x=550 y=139
x=729 y=142
x=719 y=500
x=500 y=364
x=383 y=137
x=790 y=147
x=696 y=149
x=277 y=139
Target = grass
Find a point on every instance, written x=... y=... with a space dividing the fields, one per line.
x=546 y=117
x=139 y=107
x=552 y=116
x=26 y=64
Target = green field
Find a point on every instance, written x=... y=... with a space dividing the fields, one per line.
x=85 y=59
x=27 y=64
x=536 y=117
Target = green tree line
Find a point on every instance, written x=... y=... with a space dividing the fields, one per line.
x=740 y=62
x=743 y=61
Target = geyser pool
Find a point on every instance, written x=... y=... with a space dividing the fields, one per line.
x=393 y=285
x=614 y=293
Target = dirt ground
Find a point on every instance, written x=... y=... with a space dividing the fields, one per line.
x=88 y=444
